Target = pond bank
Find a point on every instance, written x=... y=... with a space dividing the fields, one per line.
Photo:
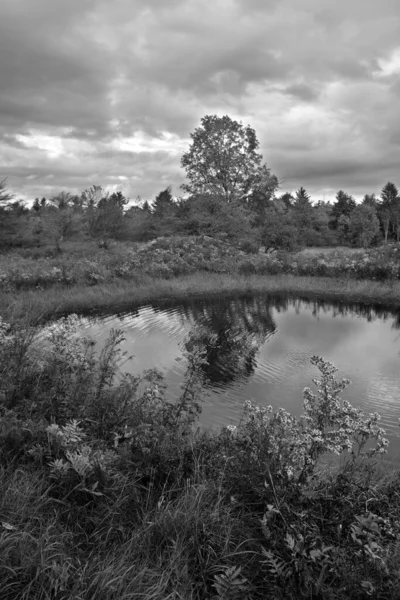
x=123 y=294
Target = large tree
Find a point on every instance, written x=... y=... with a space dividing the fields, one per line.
x=223 y=161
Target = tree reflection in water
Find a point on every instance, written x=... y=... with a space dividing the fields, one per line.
x=229 y=335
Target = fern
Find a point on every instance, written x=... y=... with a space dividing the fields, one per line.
x=230 y=585
x=276 y=566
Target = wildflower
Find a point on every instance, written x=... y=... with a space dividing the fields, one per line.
x=231 y=428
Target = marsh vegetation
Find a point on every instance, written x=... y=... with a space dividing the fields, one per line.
x=108 y=488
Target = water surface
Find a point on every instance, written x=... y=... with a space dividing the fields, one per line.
x=259 y=349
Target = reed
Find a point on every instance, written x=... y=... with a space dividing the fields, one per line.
x=125 y=294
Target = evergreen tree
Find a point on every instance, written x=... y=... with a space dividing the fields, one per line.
x=344 y=206
x=164 y=203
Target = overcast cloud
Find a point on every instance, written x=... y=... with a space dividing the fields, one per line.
x=107 y=93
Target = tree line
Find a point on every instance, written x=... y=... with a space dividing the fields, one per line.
x=230 y=192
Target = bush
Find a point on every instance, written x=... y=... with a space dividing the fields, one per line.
x=105 y=488
x=249 y=247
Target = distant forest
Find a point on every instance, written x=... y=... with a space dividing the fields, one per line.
x=230 y=193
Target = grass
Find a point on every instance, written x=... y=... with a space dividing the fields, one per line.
x=108 y=493
x=85 y=278
x=328 y=250
x=133 y=504
x=124 y=294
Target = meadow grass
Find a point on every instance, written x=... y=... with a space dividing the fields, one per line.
x=125 y=294
x=85 y=277
x=327 y=250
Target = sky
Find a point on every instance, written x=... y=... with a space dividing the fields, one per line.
x=108 y=92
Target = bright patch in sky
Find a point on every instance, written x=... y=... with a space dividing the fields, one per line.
x=92 y=91
x=391 y=65
x=140 y=142
x=51 y=145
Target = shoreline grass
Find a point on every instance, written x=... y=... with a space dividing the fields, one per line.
x=124 y=294
x=107 y=491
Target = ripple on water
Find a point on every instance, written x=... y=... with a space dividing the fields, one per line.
x=363 y=345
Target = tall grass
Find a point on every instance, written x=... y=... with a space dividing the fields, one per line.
x=108 y=491
x=122 y=294
x=88 y=278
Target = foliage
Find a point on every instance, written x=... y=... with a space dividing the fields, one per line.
x=163 y=204
x=223 y=160
x=184 y=255
x=5 y=196
x=279 y=231
x=363 y=225
x=343 y=207
x=286 y=222
x=210 y=216
x=116 y=495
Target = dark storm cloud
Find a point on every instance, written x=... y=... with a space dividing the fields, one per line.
x=80 y=80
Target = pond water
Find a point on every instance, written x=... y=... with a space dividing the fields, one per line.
x=259 y=349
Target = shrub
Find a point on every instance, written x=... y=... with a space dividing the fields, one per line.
x=249 y=247
x=105 y=487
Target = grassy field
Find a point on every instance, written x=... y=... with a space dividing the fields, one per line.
x=329 y=250
x=86 y=277
x=122 y=294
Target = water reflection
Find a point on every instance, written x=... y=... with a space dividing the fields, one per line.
x=259 y=348
x=229 y=336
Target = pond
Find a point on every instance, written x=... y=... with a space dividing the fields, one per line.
x=259 y=349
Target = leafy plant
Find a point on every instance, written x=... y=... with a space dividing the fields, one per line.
x=230 y=585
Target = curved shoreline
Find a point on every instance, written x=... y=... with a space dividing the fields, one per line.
x=125 y=294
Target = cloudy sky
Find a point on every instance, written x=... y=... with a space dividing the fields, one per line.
x=108 y=92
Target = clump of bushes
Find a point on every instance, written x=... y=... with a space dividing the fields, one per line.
x=169 y=257
x=108 y=491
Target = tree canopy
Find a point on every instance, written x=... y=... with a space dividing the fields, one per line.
x=223 y=161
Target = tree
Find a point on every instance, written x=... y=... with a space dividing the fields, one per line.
x=304 y=217
x=384 y=217
x=370 y=200
x=59 y=224
x=323 y=235
x=205 y=214
x=395 y=215
x=363 y=225
x=109 y=216
x=5 y=196
x=90 y=199
x=343 y=206
x=92 y=196
x=280 y=231
x=388 y=208
x=62 y=200
x=302 y=198
x=36 y=205
x=288 y=199
x=389 y=194
x=342 y=229
x=146 y=207
x=164 y=203
x=223 y=160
